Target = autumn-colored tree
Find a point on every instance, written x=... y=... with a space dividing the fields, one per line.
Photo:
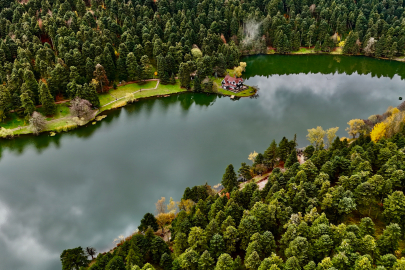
x=100 y=76
x=331 y=134
x=172 y=206
x=164 y=219
x=315 y=136
x=356 y=126
x=378 y=132
x=252 y=156
x=186 y=205
x=160 y=206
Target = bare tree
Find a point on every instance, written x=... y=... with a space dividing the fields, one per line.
x=161 y=206
x=370 y=47
x=81 y=108
x=37 y=123
x=91 y=251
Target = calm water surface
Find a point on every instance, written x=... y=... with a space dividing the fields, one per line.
x=88 y=186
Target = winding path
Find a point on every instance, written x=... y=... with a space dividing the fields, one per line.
x=133 y=93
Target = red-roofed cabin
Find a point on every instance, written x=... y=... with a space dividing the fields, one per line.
x=232 y=83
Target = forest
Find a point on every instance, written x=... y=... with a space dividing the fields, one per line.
x=53 y=50
x=338 y=204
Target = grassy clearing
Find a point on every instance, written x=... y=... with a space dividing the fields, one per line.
x=304 y=51
x=13 y=121
x=122 y=90
x=159 y=91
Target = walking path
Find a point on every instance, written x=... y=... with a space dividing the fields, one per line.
x=116 y=99
x=54 y=120
x=70 y=117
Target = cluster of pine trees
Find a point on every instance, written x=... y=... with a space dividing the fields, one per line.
x=72 y=48
x=343 y=208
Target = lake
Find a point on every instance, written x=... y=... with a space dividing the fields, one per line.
x=88 y=186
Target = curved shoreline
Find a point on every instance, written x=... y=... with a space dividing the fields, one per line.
x=112 y=105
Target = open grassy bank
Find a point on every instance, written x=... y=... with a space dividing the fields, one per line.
x=115 y=98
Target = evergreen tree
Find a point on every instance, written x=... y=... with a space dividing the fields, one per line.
x=46 y=99
x=133 y=68
x=27 y=104
x=184 y=75
x=229 y=180
x=292 y=158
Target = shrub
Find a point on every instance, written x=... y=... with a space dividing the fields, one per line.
x=196 y=52
x=130 y=97
x=6 y=133
x=119 y=104
x=65 y=128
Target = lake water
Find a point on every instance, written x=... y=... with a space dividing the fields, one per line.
x=88 y=186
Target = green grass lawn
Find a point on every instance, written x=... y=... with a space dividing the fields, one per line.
x=13 y=121
x=303 y=51
x=160 y=90
x=121 y=91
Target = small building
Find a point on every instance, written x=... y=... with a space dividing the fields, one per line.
x=231 y=83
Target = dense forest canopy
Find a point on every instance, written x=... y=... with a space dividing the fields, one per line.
x=64 y=49
x=343 y=208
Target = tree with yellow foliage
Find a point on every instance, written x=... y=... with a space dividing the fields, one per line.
x=356 y=126
x=172 y=206
x=315 y=136
x=164 y=219
x=186 y=205
x=241 y=68
x=378 y=132
x=331 y=134
x=252 y=156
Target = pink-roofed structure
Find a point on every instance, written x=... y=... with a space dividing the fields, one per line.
x=231 y=83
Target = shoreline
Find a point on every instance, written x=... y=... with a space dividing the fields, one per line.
x=310 y=50
x=54 y=126
x=65 y=123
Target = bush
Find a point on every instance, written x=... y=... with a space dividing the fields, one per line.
x=65 y=128
x=6 y=133
x=196 y=52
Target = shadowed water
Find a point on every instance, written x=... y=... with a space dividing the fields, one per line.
x=88 y=186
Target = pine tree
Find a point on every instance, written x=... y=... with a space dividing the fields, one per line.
x=317 y=48
x=292 y=158
x=146 y=68
x=122 y=69
x=46 y=99
x=172 y=80
x=133 y=68
x=197 y=84
x=27 y=104
x=184 y=75
x=229 y=180
x=90 y=94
